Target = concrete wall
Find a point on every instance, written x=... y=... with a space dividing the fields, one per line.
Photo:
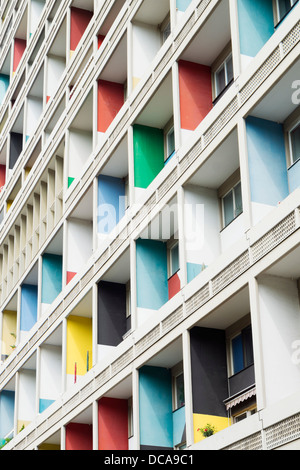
x=79 y=245
x=51 y=277
x=2 y=175
x=110 y=101
x=279 y=321
x=80 y=19
x=79 y=347
x=19 y=48
x=111 y=313
x=28 y=309
x=155 y=405
x=146 y=42
x=152 y=277
x=4 y=84
x=26 y=398
x=16 y=146
x=148 y=149
x=202 y=228
x=232 y=233
x=34 y=111
x=9 y=328
x=267 y=165
x=112 y=424
x=195 y=95
x=50 y=375
x=7 y=409
x=111 y=203
x=179 y=435
x=256 y=26
x=55 y=68
x=79 y=436
x=209 y=378
x=80 y=148
x=36 y=9
x=182 y=5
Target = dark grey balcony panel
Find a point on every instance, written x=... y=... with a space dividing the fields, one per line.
x=242 y=380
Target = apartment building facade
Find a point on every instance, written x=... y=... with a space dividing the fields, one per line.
x=149 y=224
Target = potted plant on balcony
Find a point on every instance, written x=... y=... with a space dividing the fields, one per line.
x=207 y=430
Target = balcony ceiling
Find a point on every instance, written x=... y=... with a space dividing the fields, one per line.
x=84 y=118
x=220 y=165
x=117 y=165
x=84 y=308
x=288 y=266
x=83 y=4
x=232 y=310
x=84 y=209
x=116 y=68
x=21 y=32
x=55 y=339
x=277 y=104
x=55 y=247
x=169 y=356
x=38 y=85
x=59 y=44
x=212 y=38
x=121 y=391
x=155 y=16
x=33 y=277
x=120 y=271
x=86 y=417
x=159 y=110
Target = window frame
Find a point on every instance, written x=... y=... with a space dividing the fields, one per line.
x=171 y=244
x=290 y=124
x=229 y=185
x=165 y=28
x=227 y=80
x=168 y=151
x=247 y=411
x=216 y=66
x=128 y=300
x=177 y=371
x=126 y=185
x=181 y=446
x=169 y=127
x=276 y=9
x=235 y=215
x=130 y=419
x=232 y=338
x=291 y=157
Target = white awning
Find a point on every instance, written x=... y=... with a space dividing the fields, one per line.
x=239 y=399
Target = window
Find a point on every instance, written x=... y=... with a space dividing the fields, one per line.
x=242 y=350
x=126 y=184
x=128 y=302
x=295 y=143
x=232 y=205
x=283 y=7
x=130 y=418
x=173 y=258
x=165 y=28
x=181 y=446
x=223 y=76
x=243 y=415
x=179 y=391
x=178 y=386
x=169 y=141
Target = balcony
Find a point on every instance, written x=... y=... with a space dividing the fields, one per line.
x=241 y=381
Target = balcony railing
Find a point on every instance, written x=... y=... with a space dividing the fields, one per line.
x=241 y=381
